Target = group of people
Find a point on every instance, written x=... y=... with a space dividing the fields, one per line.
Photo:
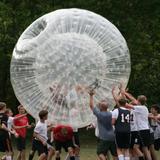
x=44 y=135
x=129 y=131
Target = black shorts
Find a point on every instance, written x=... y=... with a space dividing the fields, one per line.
x=157 y=144
x=134 y=138
x=104 y=146
x=144 y=137
x=65 y=145
x=50 y=143
x=123 y=140
x=34 y=148
x=151 y=138
x=34 y=144
x=10 y=143
x=40 y=147
x=21 y=143
x=5 y=143
x=76 y=138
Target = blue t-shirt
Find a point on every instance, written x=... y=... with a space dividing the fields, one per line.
x=104 y=119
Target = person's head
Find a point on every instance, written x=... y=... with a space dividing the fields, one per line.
x=122 y=102
x=21 y=109
x=43 y=115
x=142 y=99
x=9 y=112
x=103 y=105
x=155 y=109
x=2 y=106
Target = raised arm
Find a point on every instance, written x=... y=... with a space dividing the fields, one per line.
x=155 y=118
x=91 y=102
x=20 y=116
x=19 y=127
x=50 y=127
x=114 y=96
x=130 y=97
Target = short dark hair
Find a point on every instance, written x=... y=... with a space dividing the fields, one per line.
x=156 y=107
x=2 y=105
x=8 y=110
x=43 y=113
x=142 y=99
x=122 y=101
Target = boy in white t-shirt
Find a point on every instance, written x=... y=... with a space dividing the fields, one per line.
x=10 y=124
x=40 y=134
x=141 y=115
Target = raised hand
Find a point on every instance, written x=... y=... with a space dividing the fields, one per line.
x=91 y=92
x=120 y=86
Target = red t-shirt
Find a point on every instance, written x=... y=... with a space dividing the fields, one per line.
x=21 y=122
x=63 y=133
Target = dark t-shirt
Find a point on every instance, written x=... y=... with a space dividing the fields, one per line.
x=123 y=121
x=3 y=120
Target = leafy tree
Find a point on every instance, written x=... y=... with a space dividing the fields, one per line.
x=138 y=21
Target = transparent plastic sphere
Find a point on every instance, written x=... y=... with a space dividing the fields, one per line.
x=62 y=54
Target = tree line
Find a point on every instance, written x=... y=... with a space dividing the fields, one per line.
x=137 y=20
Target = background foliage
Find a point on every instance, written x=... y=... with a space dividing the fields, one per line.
x=137 y=20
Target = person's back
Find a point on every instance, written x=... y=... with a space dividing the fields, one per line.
x=104 y=119
x=141 y=113
x=63 y=133
x=133 y=123
x=106 y=134
x=63 y=138
x=141 y=116
x=123 y=120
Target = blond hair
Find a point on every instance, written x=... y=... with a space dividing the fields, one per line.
x=2 y=105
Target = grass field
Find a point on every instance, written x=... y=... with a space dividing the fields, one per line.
x=88 y=147
x=88 y=152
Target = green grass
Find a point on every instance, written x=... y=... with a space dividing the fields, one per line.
x=88 y=147
x=88 y=152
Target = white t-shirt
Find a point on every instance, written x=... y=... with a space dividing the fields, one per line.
x=95 y=124
x=41 y=129
x=10 y=122
x=75 y=129
x=141 y=116
x=115 y=112
x=133 y=122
